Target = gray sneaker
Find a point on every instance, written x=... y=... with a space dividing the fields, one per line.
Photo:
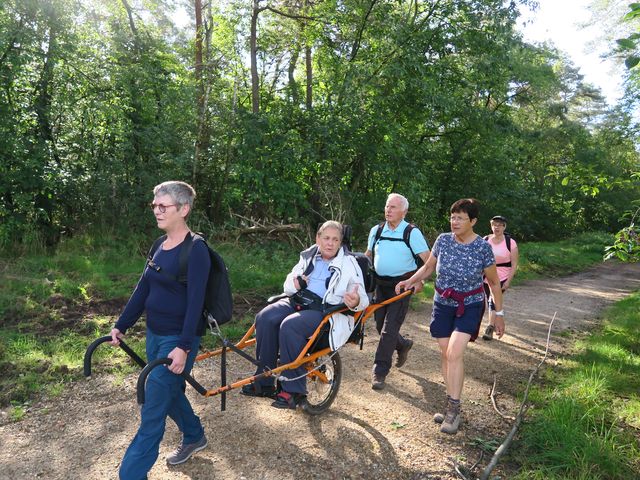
x=184 y=452
x=377 y=382
x=488 y=332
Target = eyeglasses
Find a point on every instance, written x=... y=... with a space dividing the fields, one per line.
x=455 y=218
x=161 y=207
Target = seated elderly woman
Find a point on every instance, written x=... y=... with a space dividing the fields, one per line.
x=324 y=276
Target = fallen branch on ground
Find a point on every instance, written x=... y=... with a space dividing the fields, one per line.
x=492 y=395
x=523 y=409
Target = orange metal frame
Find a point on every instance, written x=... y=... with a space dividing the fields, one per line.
x=303 y=359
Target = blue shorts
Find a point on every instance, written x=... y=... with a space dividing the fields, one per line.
x=444 y=321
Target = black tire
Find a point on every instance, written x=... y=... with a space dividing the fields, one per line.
x=321 y=394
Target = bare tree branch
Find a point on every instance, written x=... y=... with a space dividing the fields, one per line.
x=493 y=401
x=502 y=449
x=289 y=15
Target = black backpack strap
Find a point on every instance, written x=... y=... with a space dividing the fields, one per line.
x=152 y=251
x=183 y=259
x=406 y=236
x=507 y=239
x=156 y=245
x=347 y=232
x=376 y=239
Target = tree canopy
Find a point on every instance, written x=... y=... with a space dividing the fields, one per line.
x=299 y=110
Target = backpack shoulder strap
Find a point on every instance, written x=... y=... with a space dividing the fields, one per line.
x=406 y=236
x=378 y=233
x=375 y=240
x=156 y=245
x=183 y=259
x=507 y=239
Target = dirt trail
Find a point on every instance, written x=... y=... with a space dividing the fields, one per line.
x=365 y=434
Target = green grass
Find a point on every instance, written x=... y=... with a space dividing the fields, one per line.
x=561 y=258
x=49 y=300
x=587 y=417
x=47 y=303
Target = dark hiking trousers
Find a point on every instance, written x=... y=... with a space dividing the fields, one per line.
x=389 y=319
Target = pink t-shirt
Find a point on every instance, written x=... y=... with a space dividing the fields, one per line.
x=503 y=256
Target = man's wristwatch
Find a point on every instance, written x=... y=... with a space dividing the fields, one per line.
x=500 y=313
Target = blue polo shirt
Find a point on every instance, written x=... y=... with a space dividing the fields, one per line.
x=393 y=258
x=318 y=277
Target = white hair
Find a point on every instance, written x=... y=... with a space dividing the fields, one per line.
x=403 y=200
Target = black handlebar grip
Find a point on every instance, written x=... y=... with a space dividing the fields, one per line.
x=142 y=379
x=107 y=338
x=89 y=353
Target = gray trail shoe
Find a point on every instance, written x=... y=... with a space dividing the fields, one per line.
x=452 y=420
x=404 y=354
x=377 y=382
x=488 y=333
x=184 y=452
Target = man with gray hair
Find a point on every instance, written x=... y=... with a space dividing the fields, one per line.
x=397 y=248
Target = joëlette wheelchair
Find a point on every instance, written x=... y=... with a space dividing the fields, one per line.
x=324 y=366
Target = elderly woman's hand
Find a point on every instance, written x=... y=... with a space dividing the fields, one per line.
x=352 y=298
x=116 y=335
x=179 y=358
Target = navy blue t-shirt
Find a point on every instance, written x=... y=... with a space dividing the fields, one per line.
x=171 y=307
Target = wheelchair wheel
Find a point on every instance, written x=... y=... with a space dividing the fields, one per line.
x=323 y=382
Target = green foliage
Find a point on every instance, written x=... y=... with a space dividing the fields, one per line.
x=53 y=303
x=626 y=246
x=435 y=101
x=582 y=425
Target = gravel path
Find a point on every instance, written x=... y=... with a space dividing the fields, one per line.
x=365 y=435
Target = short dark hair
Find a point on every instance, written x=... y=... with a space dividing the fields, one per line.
x=470 y=206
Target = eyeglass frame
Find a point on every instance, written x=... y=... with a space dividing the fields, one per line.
x=161 y=207
x=459 y=219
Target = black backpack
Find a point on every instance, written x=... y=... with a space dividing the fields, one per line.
x=507 y=239
x=406 y=235
x=218 y=301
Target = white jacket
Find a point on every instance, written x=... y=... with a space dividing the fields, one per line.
x=345 y=274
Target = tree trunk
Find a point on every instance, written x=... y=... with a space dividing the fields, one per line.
x=309 y=70
x=202 y=136
x=253 y=43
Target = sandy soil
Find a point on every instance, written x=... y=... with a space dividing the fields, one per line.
x=366 y=434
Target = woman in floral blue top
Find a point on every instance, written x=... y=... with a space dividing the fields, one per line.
x=460 y=259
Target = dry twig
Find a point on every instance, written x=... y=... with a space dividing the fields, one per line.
x=458 y=467
x=523 y=409
x=492 y=395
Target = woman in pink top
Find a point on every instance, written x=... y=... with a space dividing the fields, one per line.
x=505 y=250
